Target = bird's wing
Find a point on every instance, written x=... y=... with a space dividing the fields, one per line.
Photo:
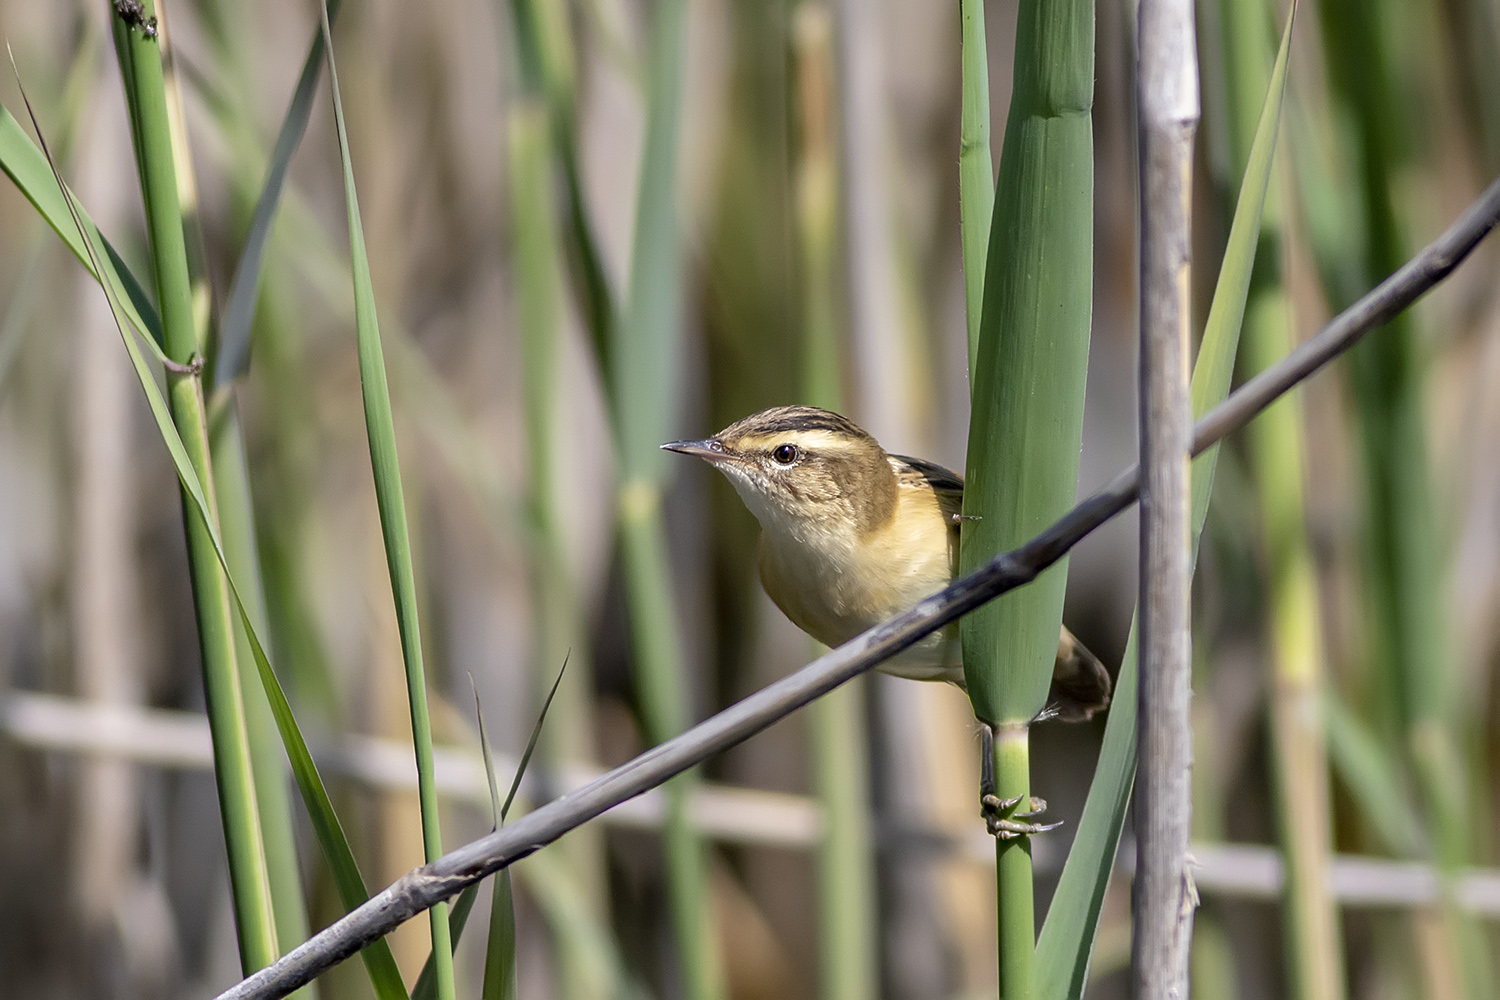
x=947 y=484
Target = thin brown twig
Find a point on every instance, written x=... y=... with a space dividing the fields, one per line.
x=423 y=887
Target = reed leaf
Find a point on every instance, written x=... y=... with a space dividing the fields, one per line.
x=1372 y=777
x=1027 y=417
x=546 y=61
x=1067 y=937
x=380 y=425
x=26 y=166
x=976 y=169
x=232 y=357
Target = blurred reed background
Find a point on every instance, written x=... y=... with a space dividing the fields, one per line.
x=551 y=310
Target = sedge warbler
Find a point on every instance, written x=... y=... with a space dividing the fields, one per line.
x=852 y=536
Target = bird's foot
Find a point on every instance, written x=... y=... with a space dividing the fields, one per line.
x=1007 y=825
x=1000 y=819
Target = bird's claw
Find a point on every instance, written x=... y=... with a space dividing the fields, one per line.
x=1009 y=827
x=994 y=805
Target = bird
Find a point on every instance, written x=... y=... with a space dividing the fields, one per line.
x=852 y=536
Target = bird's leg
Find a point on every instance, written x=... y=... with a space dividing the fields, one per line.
x=998 y=817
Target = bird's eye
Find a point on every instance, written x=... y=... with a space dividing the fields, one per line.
x=785 y=454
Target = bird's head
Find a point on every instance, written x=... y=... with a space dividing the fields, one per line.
x=801 y=469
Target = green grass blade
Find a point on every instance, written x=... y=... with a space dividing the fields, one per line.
x=500 y=952
x=381 y=429
x=233 y=356
x=21 y=307
x=426 y=983
x=425 y=987
x=27 y=168
x=554 y=888
x=1067 y=938
x=976 y=170
x=500 y=946
x=1372 y=778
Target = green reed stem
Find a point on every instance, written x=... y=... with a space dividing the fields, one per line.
x=231 y=476
x=558 y=635
x=1313 y=939
x=1016 y=933
x=140 y=58
x=1405 y=576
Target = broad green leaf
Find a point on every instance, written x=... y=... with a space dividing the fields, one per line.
x=1067 y=938
x=1026 y=422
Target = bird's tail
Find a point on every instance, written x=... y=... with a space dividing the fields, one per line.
x=1080 y=684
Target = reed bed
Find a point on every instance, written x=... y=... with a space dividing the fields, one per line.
x=581 y=230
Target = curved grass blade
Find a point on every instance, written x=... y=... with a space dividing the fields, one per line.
x=18 y=311
x=381 y=429
x=27 y=168
x=1067 y=938
x=502 y=910
x=233 y=356
x=384 y=974
x=1372 y=778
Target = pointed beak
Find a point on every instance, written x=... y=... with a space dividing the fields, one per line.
x=709 y=449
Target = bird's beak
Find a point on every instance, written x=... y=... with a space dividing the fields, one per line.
x=709 y=449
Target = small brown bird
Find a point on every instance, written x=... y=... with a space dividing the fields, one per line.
x=852 y=536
